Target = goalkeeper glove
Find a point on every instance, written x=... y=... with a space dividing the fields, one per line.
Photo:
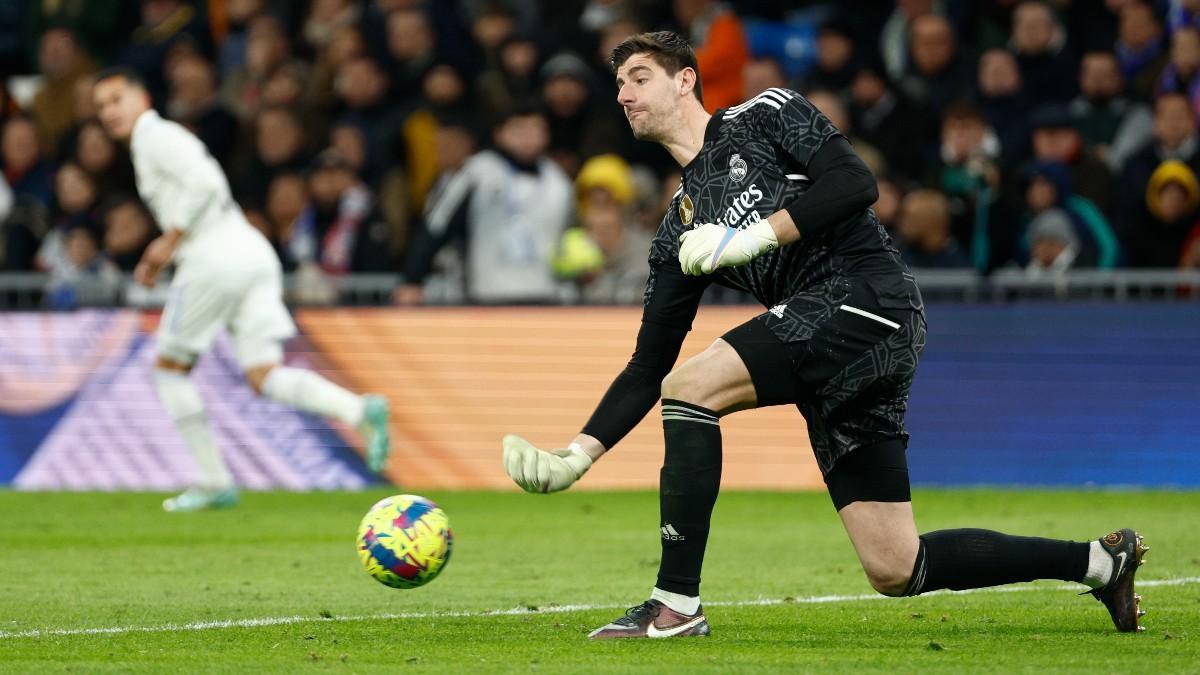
x=710 y=247
x=540 y=471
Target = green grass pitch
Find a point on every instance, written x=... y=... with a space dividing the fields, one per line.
x=108 y=582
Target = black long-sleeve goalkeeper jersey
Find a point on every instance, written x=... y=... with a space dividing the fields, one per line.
x=773 y=152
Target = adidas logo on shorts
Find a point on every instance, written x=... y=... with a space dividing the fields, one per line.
x=778 y=310
x=669 y=533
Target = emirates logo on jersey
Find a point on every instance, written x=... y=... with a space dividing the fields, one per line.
x=686 y=210
x=738 y=168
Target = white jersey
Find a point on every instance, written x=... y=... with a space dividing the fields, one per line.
x=185 y=189
x=227 y=275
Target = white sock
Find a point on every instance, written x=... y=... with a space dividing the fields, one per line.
x=305 y=390
x=684 y=604
x=186 y=409
x=1100 y=566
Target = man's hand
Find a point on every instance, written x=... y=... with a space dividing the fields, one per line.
x=158 y=254
x=540 y=471
x=710 y=247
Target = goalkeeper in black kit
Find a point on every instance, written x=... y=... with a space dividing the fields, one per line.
x=775 y=202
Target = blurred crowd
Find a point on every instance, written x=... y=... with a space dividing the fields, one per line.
x=474 y=148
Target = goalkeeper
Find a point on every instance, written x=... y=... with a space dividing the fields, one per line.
x=775 y=202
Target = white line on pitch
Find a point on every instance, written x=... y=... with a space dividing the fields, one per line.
x=519 y=611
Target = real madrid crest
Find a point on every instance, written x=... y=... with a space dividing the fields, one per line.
x=737 y=168
x=686 y=210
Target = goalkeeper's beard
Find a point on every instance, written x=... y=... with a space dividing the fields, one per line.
x=653 y=127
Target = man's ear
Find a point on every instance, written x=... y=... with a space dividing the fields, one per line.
x=687 y=81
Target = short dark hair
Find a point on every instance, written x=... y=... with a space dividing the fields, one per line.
x=1171 y=94
x=668 y=49
x=524 y=107
x=128 y=74
x=119 y=200
x=963 y=111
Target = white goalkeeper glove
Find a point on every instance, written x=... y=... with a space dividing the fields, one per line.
x=540 y=471
x=710 y=247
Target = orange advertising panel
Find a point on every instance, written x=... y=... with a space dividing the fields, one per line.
x=460 y=378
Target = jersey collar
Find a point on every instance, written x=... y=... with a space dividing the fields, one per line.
x=711 y=132
x=714 y=125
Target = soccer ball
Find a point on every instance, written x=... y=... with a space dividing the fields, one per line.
x=404 y=541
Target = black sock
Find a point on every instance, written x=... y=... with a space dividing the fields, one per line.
x=969 y=558
x=688 y=486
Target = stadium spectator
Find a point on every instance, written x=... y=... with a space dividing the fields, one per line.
x=514 y=77
x=612 y=34
x=1111 y=124
x=76 y=198
x=830 y=104
x=443 y=91
x=760 y=74
x=411 y=47
x=346 y=43
x=492 y=23
x=339 y=230
x=509 y=203
x=1182 y=73
x=231 y=52
x=165 y=25
x=938 y=74
x=923 y=228
x=888 y=121
x=287 y=197
x=605 y=254
x=279 y=146
x=579 y=127
x=967 y=173
x=106 y=162
x=454 y=143
x=1172 y=197
x=192 y=101
x=1174 y=138
x=895 y=35
x=288 y=86
x=82 y=103
x=99 y=25
x=598 y=13
x=362 y=90
x=1047 y=187
x=717 y=36
x=349 y=139
x=325 y=17
x=1053 y=244
x=1141 y=48
x=835 y=64
x=83 y=275
x=128 y=229
x=1040 y=44
x=267 y=48
x=61 y=62
x=26 y=172
x=1055 y=139
x=1005 y=103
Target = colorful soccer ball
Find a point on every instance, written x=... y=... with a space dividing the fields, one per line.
x=404 y=541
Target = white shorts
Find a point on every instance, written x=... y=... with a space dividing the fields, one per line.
x=249 y=304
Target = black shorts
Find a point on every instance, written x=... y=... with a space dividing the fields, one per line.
x=846 y=362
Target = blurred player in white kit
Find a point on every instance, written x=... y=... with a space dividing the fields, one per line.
x=227 y=275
